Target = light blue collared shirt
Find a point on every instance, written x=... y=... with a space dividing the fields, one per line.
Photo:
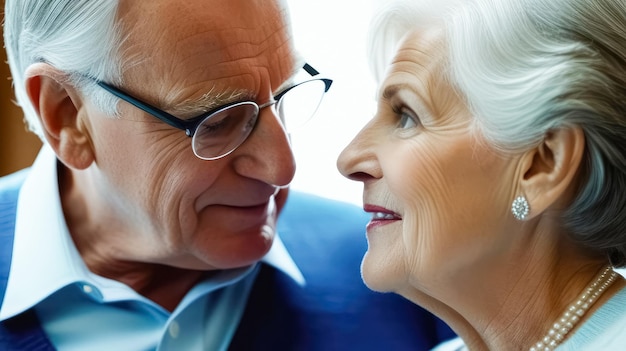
x=80 y=310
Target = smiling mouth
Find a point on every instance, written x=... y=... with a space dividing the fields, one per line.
x=380 y=216
x=376 y=216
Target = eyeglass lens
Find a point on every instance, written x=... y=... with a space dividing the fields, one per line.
x=223 y=131
x=299 y=104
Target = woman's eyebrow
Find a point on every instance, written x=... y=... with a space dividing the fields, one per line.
x=392 y=90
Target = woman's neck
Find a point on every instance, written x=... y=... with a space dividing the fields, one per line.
x=512 y=306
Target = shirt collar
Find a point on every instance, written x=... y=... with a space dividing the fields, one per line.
x=44 y=257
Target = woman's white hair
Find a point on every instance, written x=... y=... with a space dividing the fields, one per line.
x=79 y=37
x=526 y=67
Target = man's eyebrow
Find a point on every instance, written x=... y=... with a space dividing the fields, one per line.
x=209 y=101
x=213 y=99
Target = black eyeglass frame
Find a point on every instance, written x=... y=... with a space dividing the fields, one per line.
x=191 y=125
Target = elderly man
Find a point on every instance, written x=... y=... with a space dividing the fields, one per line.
x=149 y=219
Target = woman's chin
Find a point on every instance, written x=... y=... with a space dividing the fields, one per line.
x=377 y=276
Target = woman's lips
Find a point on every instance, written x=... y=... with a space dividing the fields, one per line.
x=380 y=216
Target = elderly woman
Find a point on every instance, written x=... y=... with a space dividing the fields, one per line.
x=495 y=167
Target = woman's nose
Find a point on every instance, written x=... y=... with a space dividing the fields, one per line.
x=358 y=160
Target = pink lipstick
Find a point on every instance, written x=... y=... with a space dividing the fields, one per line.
x=380 y=216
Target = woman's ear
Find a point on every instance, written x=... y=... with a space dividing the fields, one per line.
x=551 y=169
x=59 y=108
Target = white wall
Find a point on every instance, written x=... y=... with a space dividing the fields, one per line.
x=331 y=35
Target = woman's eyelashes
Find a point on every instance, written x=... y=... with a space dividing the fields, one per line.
x=407 y=118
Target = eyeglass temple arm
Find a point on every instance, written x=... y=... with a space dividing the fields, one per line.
x=171 y=119
x=310 y=70
x=162 y=115
x=313 y=72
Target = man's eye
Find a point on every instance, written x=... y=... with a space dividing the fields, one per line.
x=214 y=127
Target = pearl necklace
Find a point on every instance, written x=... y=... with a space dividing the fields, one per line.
x=574 y=313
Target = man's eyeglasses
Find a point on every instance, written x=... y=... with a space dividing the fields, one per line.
x=220 y=131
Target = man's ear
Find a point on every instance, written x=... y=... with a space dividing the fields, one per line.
x=59 y=108
x=551 y=168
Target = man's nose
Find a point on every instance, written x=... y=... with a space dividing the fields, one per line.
x=266 y=155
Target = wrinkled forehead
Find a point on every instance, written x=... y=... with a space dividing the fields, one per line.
x=421 y=56
x=189 y=17
x=179 y=51
x=420 y=67
x=396 y=19
x=426 y=46
x=217 y=30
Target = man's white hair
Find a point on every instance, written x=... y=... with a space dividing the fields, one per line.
x=79 y=37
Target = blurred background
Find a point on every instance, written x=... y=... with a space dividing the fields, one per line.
x=18 y=147
x=331 y=35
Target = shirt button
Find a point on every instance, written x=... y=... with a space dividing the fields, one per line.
x=174 y=329
x=87 y=289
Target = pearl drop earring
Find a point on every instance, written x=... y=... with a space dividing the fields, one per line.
x=520 y=208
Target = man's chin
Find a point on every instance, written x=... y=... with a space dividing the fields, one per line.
x=249 y=251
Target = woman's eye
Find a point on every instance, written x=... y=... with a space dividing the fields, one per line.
x=407 y=120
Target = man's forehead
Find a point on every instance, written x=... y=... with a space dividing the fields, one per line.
x=200 y=15
x=194 y=48
x=227 y=29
